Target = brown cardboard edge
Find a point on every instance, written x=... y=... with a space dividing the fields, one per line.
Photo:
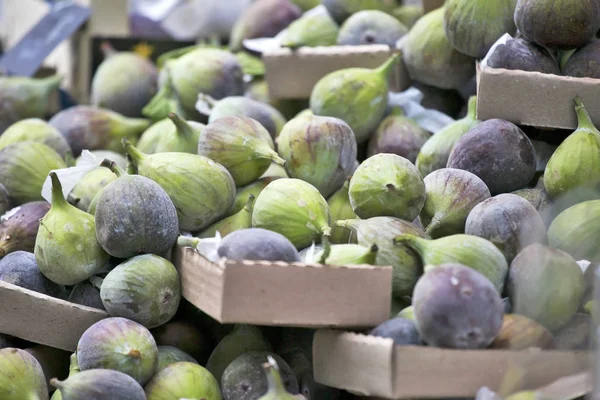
x=43 y=319
x=425 y=372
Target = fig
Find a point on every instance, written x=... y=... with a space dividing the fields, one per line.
x=144 y=289
x=5 y=203
x=95 y=128
x=341 y=209
x=22 y=376
x=276 y=390
x=168 y=355
x=371 y=27
x=451 y=102
x=258 y=244
x=472 y=251
x=185 y=337
x=311 y=30
x=572 y=164
x=576 y=229
x=387 y=185
x=584 y=63
x=472 y=27
x=404 y=332
x=118 y=344
x=407 y=313
x=24 y=97
x=119 y=159
x=35 y=130
x=183 y=380
x=457 y=307
x=54 y=362
x=87 y=293
x=398 y=135
x=537 y=197
x=240 y=144
x=381 y=231
x=327 y=142
x=124 y=82
x=340 y=10
x=435 y=152
x=244 y=378
x=451 y=194
x=19 y=227
x=184 y=177
x=499 y=153
x=306 y=5
x=408 y=14
x=556 y=24
x=24 y=167
x=134 y=215
x=576 y=334
x=546 y=285
x=150 y=137
x=99 y=384
x=238 y=221
x=508 y=221
x=243 y=193
x=346 y=254
x=294 y=209
x=20 y=269
x=430 y=58
x=243 y=339
x=183 y=138
x=66 y=249
x=267 y=115
x=263 y=18
x=89 y=186
x=358 y=96
x=522 y=55
x=73 y=369
x=520 y=333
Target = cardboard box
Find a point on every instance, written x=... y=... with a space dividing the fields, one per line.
x=430 y=5
x=292 y=74
x=43 y=319
x=373 y=366
x=283 y=294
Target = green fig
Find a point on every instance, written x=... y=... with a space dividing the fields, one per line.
x=35 y=130
x=408 y=15
x=472 y=251
x=150 y=137
x=124 y=82
x=574 y=163
x=23 y=97
x=537 y=197
x=183 y=380
x=557 y=24
x=358 y=96
x=118 y=158
x=451 y=194
x=519 y=54
x=289 y=108
x=240 y=220
x=341 y=209
x=435 y=152
x=295 y=209
x=242 y=339
x=306 y=5
x=24 y=167
x=276 y=389
x=22 y=376
x=472 y=27
x=267 y=115
x=407 y=313
x=240 y=144
x=66 y=249
x=346 y=254
x=19 y=227
x=381 y=231
x=430 y=58
x=545 y=285
x=327 y=142
x=340 y=10
x=168 y=355
x=371 y=27
x=387 y=185
x=99 y=384
x=311 y=30
x=184 y=176
x=242 y=194
x=89 y=186
x=182 y=139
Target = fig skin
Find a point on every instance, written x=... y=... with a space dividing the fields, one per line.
x=556 y=24
x=317 y=29
x=35 y=130
x=522 y=55
x=341 y=209
x=404 y=332
x=258 y=244
x=183 y=380
x=99 y=384
x=584 y=63
x=168 y=355
x=89 y=186
x=457 y=307
x=499 y=153
x=22 y=374
x=341 y=10
x=20 y=269
x=87 y=294
x=119 y=344
x=371 y=27
x=243 y=193
x=5 y=203
x=519 y=333
x=185 y=337
x=238 y=221
x=576 y=334
x=19 y=227
x=508 y=221
x=537 y=197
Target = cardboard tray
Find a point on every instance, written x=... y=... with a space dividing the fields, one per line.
x=373 y=366
x=283 y=294
x=430 y=5
x=292 y=74
x=43 y=319
x=534 y=98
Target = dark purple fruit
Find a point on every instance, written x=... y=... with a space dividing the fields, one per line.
x=585 y=62
x=184 y=336
x=19 y=227
x=258 y=244
x=404 y=332
x=87 y=294
x=20 y=268
x=523 y=55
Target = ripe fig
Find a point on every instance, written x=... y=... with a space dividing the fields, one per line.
x=341 y=209
x=168 y=355
x=22 y=376
x=183 y=380
x=306 y=5
x=238 y=221
x=35 y=130
x=121 y=345
x=499 y=153
x=451 y=194
x=346 y=254
x=258 y=244
x=387 y=185
x=19 y=268
x=537 y=197
x=584 y=63
x=149 y=139
x=404 y=332
x=89 y=186
x=519 y=333
x=407 y=313
x=358 y=96
x=523 y=55
x=87 y=293
x=546 y=285
x=371 y=27
x=99 y=384
x=181 y=136
x=340 y=10
x=327 y=142
x=19 y=227
x=243 y=193
x=311 y=30
x=66 y=249
x=408 y=14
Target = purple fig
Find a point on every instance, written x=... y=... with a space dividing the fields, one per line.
x=19 y=227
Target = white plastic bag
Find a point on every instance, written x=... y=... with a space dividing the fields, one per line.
x=69 y=177
x=428 y=119
x=208 y=247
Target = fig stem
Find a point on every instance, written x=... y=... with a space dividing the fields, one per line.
x=433 y=225
x=273 y=377
x=58 y=199
x=411 y=241
x=397 y=111
x=187 y=241
x=118 y=171
x=130 y=166
x=249 y=207
x=386 y=67
x=326 y=244
x=181 y=125
x=96 y=281
x=135 y=154
x=107 y=49
x=583 y=118
x=276 y=158
x=472 y=108
x=50 y=83
x=56 y=383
